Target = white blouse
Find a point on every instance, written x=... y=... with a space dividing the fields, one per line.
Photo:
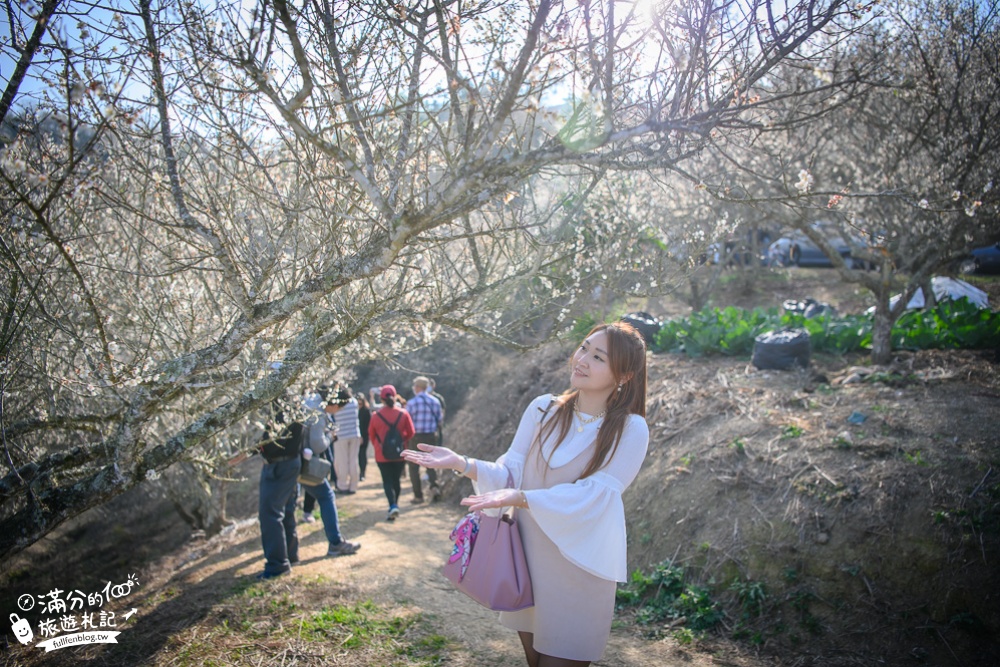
x=585 y=519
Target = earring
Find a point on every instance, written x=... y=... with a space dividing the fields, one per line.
x=619 y=388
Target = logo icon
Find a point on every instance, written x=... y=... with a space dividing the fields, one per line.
x=21 y=628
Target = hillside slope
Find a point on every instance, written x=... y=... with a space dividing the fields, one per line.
x=868 y=511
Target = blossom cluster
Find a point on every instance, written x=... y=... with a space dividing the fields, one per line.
x=805 y=182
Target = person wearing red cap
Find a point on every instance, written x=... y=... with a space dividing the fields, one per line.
x=391 y=469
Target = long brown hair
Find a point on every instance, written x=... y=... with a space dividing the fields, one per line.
x=627 y=359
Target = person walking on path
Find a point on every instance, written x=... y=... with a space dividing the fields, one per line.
x=348 y=441
x=425 y=410
x=444 y=409
x=364 y=420
x=281 y=449
x=571 y=458
x=390 y=468
x=317 y=441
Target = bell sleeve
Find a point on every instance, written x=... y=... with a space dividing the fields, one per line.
x=491 y=476
x=586 y=519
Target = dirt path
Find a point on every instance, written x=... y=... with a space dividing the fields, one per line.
x=400 y=563
x=187 y=595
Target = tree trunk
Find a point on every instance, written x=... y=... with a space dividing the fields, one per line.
x=882 y=336
x=199 y=501
x=930 y=299
x=698 y=297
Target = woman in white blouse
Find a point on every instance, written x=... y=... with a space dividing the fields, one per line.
x=572 y=457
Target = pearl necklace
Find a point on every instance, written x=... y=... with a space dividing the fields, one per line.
x=586 y=420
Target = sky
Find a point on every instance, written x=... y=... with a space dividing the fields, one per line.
x=76 y=25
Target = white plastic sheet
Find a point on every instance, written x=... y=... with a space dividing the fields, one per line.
x=944 y=289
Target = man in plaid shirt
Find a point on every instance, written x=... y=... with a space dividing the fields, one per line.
x=425 y=411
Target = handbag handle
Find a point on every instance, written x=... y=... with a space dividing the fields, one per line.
x=503 y=513
x=503 y=508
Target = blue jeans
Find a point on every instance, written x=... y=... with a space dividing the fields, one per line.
x=276 y=512
x=327 y=510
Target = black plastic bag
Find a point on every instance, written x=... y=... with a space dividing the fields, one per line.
x=809 y=307
x=781 y=350
x=645 y=324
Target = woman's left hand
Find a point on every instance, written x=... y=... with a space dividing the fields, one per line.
x=495 y=499
x=430 y=456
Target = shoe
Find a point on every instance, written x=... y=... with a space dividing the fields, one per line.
x=393 y=513
x=344 y=548
x=361 y=479
x=293 y=561
x=265 y=575
x=308 y=518
x=416 y=501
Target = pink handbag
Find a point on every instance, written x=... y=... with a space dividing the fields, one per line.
x=496 y=573
x=488 y=562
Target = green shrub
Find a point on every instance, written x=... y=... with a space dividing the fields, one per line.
x=951 y=324
x=731 y=331
x=751 y=594
x=582 y=325
x=663 y=594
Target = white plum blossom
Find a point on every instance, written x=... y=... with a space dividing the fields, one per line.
x=805 y=182
x=77 y=91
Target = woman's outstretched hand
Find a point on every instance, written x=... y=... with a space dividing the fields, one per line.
x=430 y=456
x=495 y=499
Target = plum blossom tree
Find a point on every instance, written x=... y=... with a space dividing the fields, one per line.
x=902 y=167
x=928 y=145
x=201 y=189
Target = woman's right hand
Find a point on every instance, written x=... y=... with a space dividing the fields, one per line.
x=430 y=456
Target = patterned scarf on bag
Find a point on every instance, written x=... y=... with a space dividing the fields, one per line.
x=464 y=537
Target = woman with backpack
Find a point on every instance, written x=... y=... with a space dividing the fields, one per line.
x=571 y=458
x=389 y=429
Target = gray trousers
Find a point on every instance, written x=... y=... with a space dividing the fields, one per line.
x=429 y=439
